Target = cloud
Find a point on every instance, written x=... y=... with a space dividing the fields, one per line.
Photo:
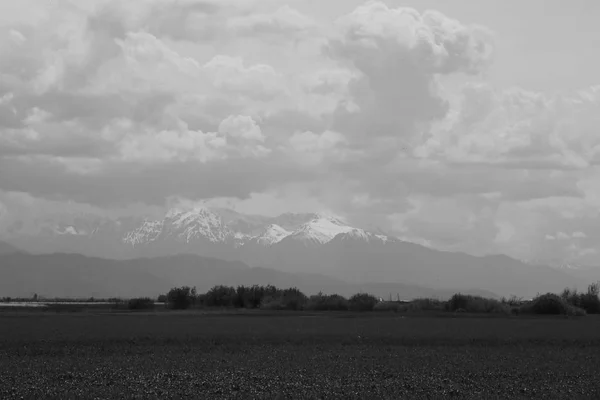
x=515 y=128
x=284 y=21
x=384 y=115
x=399 y=54
x=241 y=126
x=309 y=141
x=111 y=99
x=255 y=81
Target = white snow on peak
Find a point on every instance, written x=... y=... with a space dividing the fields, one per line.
x=149 y=231
x=272 y=234
x=361 y=234
x=196 y=223
x=321 y=229
x=358 y=234
x=201 y=223
x=179 y=218
x=384 y=238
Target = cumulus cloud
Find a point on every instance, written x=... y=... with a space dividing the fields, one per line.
x=518 y=129
x=241 y=126
x=284 y=21
x=108 y=97
x=106 y=104
x=399 y=54
x=230 y=74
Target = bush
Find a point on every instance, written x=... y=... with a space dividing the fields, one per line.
x=476 y=304
x=288 y=299
x=590 y=301
x=252 y=296
x=272 y=303
x=512 y=301
x=293 y=299
x=424 y=305
x=141 y=303
x=161 y=298
x=362 y=302
x=321 y=302
x=181 y=298
x=221 y=296
x=551 y=304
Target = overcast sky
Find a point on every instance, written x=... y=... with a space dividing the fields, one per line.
x=465 y=125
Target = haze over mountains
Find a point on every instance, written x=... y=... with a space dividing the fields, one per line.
x=318 y=251
x=77 y=276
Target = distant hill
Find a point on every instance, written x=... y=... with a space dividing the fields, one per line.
x=297 y=244
x=73 y=275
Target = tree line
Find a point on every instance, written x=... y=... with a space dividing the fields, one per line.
x=264 y=297
x=269 y=297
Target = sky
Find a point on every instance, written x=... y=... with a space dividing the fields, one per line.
x=465 y=125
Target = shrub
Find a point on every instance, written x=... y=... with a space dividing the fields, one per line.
x=252 y=296
x=141 y=303
x=181 y=298
x=362 y=302
x=161 y=298
x=590 y=302
x=512 y=301
x=551 y=304
x=476 y=304
x=321 y=302
x=288 y=299
x=272 y=303
x=220 y=296
x=425 y=305
x=293 y=299
x=201 y=300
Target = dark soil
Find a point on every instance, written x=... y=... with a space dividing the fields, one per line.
x=190 y=355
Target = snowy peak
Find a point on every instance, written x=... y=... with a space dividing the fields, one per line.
x=271 y=235
x=218 y=226
x=182 y=225
x=198 y=223
x=355 y=235
x=292 y=221
x=320 y=230
x=360 y=235
x=148 y=232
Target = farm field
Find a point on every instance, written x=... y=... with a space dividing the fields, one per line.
x=212 y=355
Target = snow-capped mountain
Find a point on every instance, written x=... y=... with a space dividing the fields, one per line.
x=205 y=225
x=196 y=224
x=271 y=235
x=319 y=230
x=201 y=230
x=360 y=235
x=148 y=232
x=306 y=243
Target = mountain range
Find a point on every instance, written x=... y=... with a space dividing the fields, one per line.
x=311 y=243
x=76 y=276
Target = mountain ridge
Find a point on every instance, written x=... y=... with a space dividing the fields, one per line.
x=307 y=243
x=75 y=275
